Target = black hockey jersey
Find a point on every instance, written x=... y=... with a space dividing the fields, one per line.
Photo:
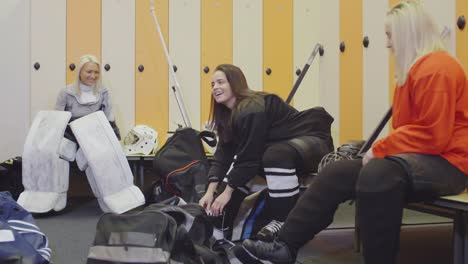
x=258 y=125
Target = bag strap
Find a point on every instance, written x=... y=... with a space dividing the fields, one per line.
x=209 y=137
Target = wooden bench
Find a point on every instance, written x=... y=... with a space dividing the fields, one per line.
x=454 y=207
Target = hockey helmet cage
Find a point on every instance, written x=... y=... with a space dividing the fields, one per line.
x=141 y=140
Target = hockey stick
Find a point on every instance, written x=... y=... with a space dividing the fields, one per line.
x=176 y=87
x=367 y=145
x=317 y=48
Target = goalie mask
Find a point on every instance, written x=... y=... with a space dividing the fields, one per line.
x=141 y=140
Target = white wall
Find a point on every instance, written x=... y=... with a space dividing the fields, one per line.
x=14 y=73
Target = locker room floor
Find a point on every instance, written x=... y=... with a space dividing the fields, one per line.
x=71 y=233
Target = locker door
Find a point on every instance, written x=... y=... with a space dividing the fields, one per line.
x=48 y=25
x=278 y=46
x=248 y=41
x=184 y=42
x=306 y=36
x=83 y=32
x=216 y=45
x=350 y=70
x=329 y=64
x=375 y=66
x=151 y=81
x=15 y=72
x=118 y=59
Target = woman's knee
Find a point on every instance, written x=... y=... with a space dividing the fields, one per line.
x=340 y=172
x=380 y=175
x=279 y=155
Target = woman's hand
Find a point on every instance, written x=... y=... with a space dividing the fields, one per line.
x=369 y=155
x=218 y=205
x=206 y=201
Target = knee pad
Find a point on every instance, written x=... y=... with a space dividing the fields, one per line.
x=102 y=158
x=46 y=157
x=280 y=154
x=380 y=175
x=311 y=150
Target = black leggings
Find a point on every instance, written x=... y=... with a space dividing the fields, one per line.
x=381 y=188
x=282 y=164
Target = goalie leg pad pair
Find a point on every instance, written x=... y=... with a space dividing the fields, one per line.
x=100 y=156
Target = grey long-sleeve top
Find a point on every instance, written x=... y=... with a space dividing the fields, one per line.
x=68 y=100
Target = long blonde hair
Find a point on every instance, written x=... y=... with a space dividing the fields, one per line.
x=414 y=34
x=88 y=58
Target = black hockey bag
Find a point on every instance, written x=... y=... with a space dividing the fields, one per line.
x=182 y=163
x=11 y=176
x=148 y=236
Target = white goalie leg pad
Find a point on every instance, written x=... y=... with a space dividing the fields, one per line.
x=45 y=174
x=108 y=171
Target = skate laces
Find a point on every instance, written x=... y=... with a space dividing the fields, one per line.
x=274 y=226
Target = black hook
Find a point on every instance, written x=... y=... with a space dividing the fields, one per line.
x=321 y=50
x=365 y=42
x=268 y=71
x=174 y=67
x=37 y=66
x=342 y=46
x=461 y=22
x=141 y=68
x=72 y=66
x=298 y=72
x=206 y=69
x=107 y=67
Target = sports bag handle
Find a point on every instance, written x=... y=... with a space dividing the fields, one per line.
x=209 y=137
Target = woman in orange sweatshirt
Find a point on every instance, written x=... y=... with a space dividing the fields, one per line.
x=425 y=156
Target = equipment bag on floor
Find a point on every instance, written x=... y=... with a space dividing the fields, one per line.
x=183 y=165
x=10 y=176
x=161 y=233
x=138 y=237
x=198 y=226
x=21 y=241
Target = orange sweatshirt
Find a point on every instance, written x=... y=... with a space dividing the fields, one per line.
x=430 y=112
